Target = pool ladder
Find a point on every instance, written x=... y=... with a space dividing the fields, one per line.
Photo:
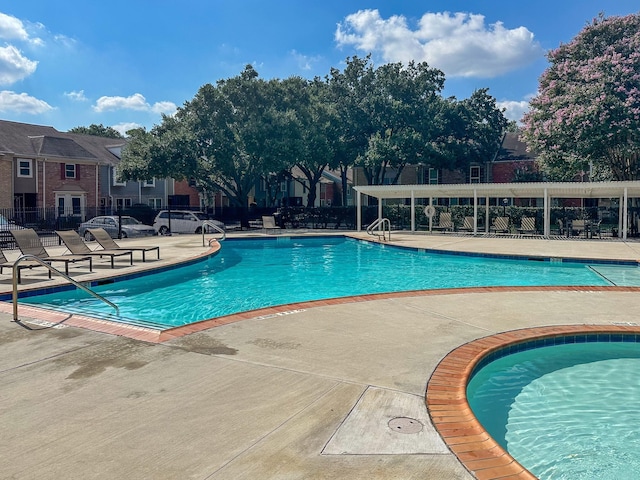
x=216 y=228
x=52 y=269
x=383 y=226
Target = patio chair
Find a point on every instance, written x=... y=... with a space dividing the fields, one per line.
x=76 y=246
x=500 y=225
x=468 y=224
x=527 y=225
x=107 y=243
x=29 y=243
x=4 y=263
x=444 y=222
x=269 y=223
x=578 y=227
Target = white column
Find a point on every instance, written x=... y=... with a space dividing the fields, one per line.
x=358 y=211
x=475 y=211
x=625 y=217
x=620 y=213
x=546 y=217
x=413 y=211
x=486 y=215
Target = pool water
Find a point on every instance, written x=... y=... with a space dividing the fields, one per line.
x=253 y=273
x=565 y=411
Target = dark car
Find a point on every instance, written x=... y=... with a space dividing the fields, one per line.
x=130 y=227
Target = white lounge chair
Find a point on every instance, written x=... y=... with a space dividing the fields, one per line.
x=527 y=225
x=269 y=223
x=500 y=225
x=444 y=222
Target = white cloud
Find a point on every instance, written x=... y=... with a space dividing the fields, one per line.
x=168 y=108
x=77 y=96
x=14 y=66
x=22 y=103
x=514 y=109
x=123 y=128
x=133 y=102
x=459 y=44
x=305 y=62
x=12 y=28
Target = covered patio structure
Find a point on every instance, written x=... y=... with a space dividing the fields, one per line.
x=624 y=191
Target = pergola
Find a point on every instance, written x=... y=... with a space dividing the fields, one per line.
x=545 y=190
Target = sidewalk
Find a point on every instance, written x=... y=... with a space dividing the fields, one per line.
x=316 y=393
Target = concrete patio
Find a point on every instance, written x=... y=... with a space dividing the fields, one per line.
x=313 y=393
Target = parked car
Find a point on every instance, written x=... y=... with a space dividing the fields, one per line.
x=130 y=227
x=6 y=239
x=183 y=221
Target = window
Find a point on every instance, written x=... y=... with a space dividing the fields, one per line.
x=149 y=183
x=70 y=170
x=474 y=174
x=433 y=176
x=116 y=181
x=155 y=203
x=25 y=168
x=283 y=187
x=122 y=203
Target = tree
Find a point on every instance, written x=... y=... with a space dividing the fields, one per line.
x=228 y=137
x=97 y=130
x=474 y=130
x=586 y=115
x=318 y=120
x=387 y=114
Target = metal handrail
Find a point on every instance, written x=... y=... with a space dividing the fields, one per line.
x=380 y=224
x=54 y=270
x=215 y=227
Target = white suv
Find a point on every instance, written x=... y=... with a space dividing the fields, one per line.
x=182 y=221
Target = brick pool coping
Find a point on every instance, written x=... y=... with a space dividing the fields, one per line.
x=451 y=415
x=151 y=335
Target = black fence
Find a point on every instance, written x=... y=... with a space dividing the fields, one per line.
x=47 y=220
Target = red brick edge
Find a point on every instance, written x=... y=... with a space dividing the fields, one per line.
x=446 y=400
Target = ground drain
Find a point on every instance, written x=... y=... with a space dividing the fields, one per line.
x=405 y=425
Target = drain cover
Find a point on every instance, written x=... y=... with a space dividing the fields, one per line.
x=405 y=425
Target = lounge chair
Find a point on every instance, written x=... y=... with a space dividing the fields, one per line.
x=4 y=263
x=468 y=224
x=76 y=246
x=29 y=243
x=444 y=222
x=500 y=225
x=107 y=243
x=527 y=225
x=269 y=223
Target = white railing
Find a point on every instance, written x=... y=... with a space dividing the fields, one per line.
x=53 y=270
x=383 y=226
x=217 y=228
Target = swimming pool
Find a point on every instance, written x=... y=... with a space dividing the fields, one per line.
x=565 y=411
x=253 y=273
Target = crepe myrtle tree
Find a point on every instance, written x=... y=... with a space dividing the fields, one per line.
x=586 y=115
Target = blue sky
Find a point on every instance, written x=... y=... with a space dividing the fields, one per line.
x=125 y=63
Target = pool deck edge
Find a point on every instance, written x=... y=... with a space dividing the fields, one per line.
x=451 y=415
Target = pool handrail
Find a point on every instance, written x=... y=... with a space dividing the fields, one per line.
x=215 y=227
x=380 y=224
x=53 y=270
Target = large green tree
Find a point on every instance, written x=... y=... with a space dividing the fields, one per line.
x=586 y=114
x=98 y=130
x=228 y=137
x=319 y=125
x=472 y=132
x=386 y=113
